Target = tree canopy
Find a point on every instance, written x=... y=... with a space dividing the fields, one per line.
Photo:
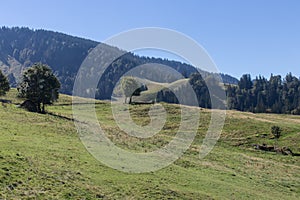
x=39 y=85
x=131 y=87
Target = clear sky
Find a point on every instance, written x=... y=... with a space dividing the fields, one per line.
x=242 y=36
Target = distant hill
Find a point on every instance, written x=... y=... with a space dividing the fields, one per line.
x=21 y=47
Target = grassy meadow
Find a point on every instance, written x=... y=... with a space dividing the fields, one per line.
x=42 y=157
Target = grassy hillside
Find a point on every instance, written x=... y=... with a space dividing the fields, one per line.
x=41 y=157
x=154 y=88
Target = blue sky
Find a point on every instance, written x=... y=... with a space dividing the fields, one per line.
x=242 y=36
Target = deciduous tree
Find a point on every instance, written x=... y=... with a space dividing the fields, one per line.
x=131 y=87
x=40 y=86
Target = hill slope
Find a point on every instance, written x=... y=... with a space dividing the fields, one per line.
x=42 y=157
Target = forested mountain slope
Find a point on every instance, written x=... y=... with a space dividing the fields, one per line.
x=21 y=47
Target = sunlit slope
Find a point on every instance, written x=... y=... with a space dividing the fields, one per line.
x=42 y=157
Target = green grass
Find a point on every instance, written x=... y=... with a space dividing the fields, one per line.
x=42 y=157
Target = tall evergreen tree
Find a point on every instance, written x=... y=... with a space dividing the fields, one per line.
x=201 y=90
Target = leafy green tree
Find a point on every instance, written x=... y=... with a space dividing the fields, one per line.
x=40 y=86
x=4 y=84
x=130 y=87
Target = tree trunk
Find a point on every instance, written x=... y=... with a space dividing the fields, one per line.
x=130 y=99
x=38 y=107
x=43 y=108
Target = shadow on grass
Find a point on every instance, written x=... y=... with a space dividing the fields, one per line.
x=70 y=104
x=60 y=116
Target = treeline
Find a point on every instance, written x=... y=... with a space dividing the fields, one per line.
x=276 y=95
